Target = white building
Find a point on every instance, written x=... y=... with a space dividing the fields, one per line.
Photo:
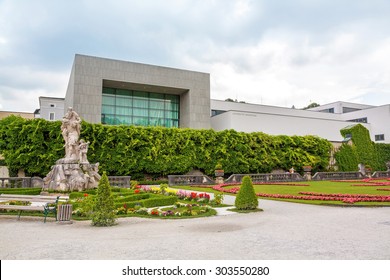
x=325 y=121
x=51 y=108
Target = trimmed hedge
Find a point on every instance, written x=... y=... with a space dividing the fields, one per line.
x=133 y=197
x=35 y=145
x=22 y=191
x=159 y=201
x=149 y=203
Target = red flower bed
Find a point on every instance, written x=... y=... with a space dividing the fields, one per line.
x=373 y=184
x=384 y=189
x=346 y=198
x=281 y=184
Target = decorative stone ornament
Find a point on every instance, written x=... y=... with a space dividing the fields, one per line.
x=307 y=172
x=73 y=172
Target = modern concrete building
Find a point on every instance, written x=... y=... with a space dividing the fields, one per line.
x=119 y=92
x=324 y=121
x=110 y=91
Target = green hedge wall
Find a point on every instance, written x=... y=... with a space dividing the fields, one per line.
x=383 y=152
x=35 y=145
x=362 y=150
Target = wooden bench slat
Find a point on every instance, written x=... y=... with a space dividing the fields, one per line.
x=47 y=200
x=22 y=207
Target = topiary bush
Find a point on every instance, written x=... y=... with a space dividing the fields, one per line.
x=246 y=198
x=104 y=209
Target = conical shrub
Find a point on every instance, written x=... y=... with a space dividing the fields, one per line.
x=246 y=198
x=103 y=214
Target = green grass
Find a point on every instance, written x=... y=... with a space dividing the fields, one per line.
x=329 y=187
x=320 y=186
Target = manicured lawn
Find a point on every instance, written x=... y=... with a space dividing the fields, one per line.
x=322 y=187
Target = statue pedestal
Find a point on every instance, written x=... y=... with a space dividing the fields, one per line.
x=219 y=180
x=307 y=176
x=69 y=175
x=73 y=172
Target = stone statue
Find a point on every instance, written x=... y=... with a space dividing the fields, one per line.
x=71 y=125
x=83 y=150
x=362 y=168
x=73 y=172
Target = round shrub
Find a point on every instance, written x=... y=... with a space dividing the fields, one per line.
x=246 y=198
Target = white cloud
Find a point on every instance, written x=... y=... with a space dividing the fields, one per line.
x=285 y=54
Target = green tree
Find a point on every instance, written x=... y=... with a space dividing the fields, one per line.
x=246 y=198
x=311 y=105
x=103 y=214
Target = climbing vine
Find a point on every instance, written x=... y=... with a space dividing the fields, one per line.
x=361 y=150
x=35 y=145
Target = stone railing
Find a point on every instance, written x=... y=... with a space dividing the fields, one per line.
x=21 y=182
x=381 y=174
x=119 y=181
x=266 y=177
x=186 y=180
x=338 y=176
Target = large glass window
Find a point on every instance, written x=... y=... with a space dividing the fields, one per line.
x=121 y=106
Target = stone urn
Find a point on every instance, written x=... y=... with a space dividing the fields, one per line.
x=307 y=168
x=368 y=171
x=219 y=173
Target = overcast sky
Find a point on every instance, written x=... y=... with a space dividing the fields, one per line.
x=281 y=53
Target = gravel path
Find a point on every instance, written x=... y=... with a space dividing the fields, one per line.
x=283 y=231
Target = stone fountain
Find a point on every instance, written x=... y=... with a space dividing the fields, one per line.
x=73 y=172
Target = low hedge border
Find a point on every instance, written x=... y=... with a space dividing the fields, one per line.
x=148 y=203
x=23 y=191
x=133 y=197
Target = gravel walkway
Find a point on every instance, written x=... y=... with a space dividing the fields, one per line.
x=283 y=231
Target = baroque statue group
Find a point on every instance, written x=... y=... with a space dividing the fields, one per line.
x=73 y=172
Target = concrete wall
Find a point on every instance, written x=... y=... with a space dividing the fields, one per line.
x=280 y=124
x=84 y=91
x=338 y=106
x=378 y=118
x=278 y=120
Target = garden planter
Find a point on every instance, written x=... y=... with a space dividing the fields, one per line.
x=307 y=168
x=219 y=173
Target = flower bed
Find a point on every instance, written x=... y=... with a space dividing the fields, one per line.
x=346 y=198
x=374 y=184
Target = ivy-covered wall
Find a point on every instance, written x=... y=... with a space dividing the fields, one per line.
x=35 y=145
x=362 y=150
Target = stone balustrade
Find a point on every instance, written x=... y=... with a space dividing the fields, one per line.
x=188 y=180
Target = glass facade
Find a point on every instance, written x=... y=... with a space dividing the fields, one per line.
x=131 y=107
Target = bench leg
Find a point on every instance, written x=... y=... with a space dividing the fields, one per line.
x=20 y=212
